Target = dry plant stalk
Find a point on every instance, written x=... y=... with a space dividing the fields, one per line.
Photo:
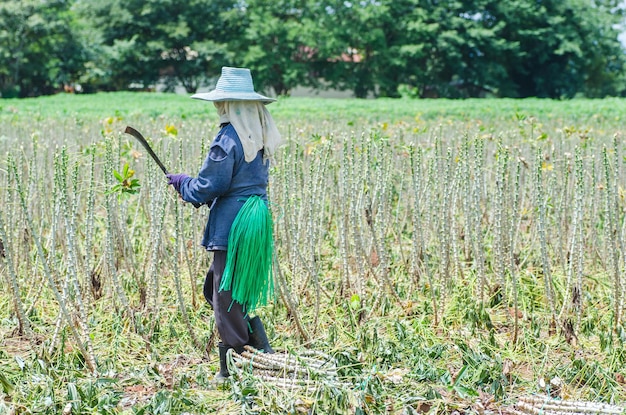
x=545 y=405
x=287 y=298
x=286 y=370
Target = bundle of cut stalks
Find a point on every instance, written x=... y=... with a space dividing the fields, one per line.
x=545 y=405
x=305 y=370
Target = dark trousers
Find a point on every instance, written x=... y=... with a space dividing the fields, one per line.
x=231 y=321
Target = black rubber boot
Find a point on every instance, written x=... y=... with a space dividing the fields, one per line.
x=258 y=338
x=223 y=349
x=223 y=373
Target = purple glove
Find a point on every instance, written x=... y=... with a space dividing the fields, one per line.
x=176 y=180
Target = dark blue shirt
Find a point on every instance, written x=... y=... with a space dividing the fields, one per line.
x=224 y=182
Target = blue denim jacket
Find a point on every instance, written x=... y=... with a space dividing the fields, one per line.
x=224 y=183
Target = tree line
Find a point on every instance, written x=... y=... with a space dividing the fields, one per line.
x=417 y=48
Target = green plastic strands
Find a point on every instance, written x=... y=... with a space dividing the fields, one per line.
x=248 y=271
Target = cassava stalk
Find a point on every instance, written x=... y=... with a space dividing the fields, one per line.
x=343 y=182
x=11 y=275
x=620 y=286
x=499 y=262
x=541 y=203
x=69 y=213
x=417 y=238
x=611 y=237
x=514 y=222
x=178 y=249
x=110 y=241
x=476 y=213
x=574 y=271
x=89 y=360
x=287 y=300
x=157 y=220
x=444 y=228
x=90 y=225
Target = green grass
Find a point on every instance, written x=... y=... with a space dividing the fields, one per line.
x=154 y=105
x=393 y=219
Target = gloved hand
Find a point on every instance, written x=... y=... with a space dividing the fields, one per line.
x=176 y=180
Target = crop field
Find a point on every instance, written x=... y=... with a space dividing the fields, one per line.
x=443 y=255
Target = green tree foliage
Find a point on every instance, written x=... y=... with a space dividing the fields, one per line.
x=422 y=48
x=561 y=47
x=434 y=48
x=275 y=43
x=355 y=45
x=39 y=52
x=140 y=42
x=464 y=53
x=469 y=48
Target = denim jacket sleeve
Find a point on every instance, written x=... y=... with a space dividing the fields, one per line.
x=215 y=176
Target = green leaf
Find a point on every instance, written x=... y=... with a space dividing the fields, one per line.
x=355 y=302
x=7 y=386
x=459 y=376
x=465 y=392
x=72 y=394
x=118 y=176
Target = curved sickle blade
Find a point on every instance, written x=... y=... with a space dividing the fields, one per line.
x=130 y=130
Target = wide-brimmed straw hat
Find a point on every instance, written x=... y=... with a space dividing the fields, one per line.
x=235 y=84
